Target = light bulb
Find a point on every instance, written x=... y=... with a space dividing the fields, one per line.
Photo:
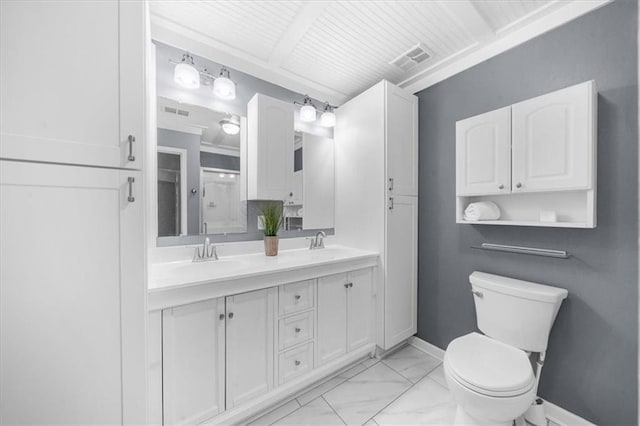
x=221 y=175
x=328 y=119
x=230 y=128
x=223 y=87
x=307 y=113
x=185 y=74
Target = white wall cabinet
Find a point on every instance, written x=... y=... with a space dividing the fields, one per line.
x=534 y=157
x=376 y=154
x=270 y=136
x=73 y=295
x=72 y=81
x=483 y=153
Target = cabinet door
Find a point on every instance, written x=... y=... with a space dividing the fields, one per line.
x=401 y=141
x=401 y=270
x=483 y=153
x=250 y=346
x=72 y=81
x=270 y=148
x=332 y=318
x=360 y=309
x=554 y=140
x=193 y=346
x=318 y=177
x=72 y=296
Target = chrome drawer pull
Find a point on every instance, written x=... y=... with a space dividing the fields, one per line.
x=131 y=198
x=298 y=330
x=297 y=362
x=297 y=297
x=131 y=140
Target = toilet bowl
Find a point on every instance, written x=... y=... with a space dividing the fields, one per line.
x=490 y=375
x=491 y=382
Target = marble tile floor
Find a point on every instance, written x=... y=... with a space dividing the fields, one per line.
x=405 y=388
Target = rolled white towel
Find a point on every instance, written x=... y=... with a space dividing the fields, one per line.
x=483 y=210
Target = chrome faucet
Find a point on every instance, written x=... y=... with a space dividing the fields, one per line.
x=206 y=252
x=318 y=241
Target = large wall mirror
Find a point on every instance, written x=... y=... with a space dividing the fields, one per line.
x=201 y=187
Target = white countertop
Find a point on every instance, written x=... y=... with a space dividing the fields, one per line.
x=184 y=276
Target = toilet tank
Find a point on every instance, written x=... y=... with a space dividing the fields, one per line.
x=518 y=313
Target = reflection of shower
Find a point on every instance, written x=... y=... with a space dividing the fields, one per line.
x=169 y=195
x=221 y=210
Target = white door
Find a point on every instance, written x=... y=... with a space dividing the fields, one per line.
x=270 y=148
x=401 y=141
x=193 y=356
x=483 y=153
x=72 y=81
x=332 y=318
x=554 y=140
x=72 y=298
x=249 y=345
x=360 y=308
x=317 y=153
x=401 y=270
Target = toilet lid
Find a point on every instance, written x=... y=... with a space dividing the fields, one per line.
x=489 y=366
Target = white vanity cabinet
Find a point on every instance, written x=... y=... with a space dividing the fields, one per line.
x=73 y=295
x=270 y=136
x=72 y=80
x=346 y=313
x=535 y=159
x=376 y=154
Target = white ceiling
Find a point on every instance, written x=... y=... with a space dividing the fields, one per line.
x=334 y=50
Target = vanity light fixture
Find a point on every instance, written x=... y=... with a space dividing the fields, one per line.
x=186 y=74
x=328 y=117
x=308 y=112
x=230 y=125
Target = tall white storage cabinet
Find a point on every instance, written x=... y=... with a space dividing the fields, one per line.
x=72 y=275
x=376 y=145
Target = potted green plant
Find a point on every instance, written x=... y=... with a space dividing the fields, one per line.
x=271 y=218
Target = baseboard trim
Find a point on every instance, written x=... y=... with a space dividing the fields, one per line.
x=553 y=412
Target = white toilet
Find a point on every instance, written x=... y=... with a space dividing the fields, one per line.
x=491 y=376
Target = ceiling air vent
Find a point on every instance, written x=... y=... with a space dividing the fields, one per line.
x=172 y=110
x=412 y=57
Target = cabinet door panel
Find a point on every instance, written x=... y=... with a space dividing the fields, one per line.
x=66 y=329
x=332 y=317
x=360 y=308
x=483 y=153
x=193 y=339
x=250 y=347
x=401 y=270
x=553 y=140
x=402 y=140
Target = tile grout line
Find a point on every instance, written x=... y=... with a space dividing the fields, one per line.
x=332 y=409
x=400 y=373
x=280 y=418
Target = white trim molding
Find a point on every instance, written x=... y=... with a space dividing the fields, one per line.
x=553 y=412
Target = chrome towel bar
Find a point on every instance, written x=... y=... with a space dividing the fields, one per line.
x=559 y=254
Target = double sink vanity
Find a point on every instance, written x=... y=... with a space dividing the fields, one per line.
x=231 y=337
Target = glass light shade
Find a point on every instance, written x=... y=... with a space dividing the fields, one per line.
x=307 y=113
x=328 y=119
x=229 y=127
x=186 y=76
x=224 y=88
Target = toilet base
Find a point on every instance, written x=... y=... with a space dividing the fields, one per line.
x=463 y=418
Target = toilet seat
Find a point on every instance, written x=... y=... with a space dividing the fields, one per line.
x=489 y=367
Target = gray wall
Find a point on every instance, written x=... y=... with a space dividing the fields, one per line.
x=591 y=367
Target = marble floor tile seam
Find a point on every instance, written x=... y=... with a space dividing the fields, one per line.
x=429 y=371
x=334 y=410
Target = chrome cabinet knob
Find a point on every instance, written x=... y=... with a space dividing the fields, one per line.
x=230 y=315
x=297 y=362
x=221 y=317
x=518 y=185
x=500 y=186
x=298 y=330
x=297 y=297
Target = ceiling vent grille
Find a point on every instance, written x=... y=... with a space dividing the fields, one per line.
x=412 y=57
x=176 y=111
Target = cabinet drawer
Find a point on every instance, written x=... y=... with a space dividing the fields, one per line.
x=295 y=297
x=295 y=329
x=295 y=362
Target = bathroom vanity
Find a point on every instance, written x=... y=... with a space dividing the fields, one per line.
x=231 y=337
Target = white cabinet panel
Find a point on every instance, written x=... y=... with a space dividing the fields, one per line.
x=401 y=270
x=295 y=329
x=295 y=297
x=402 y=141
x=332 y=317
x=72 y=81
x=295 y=362
x=552 y=142
x=270 y=148
x=193 y=361
x=250 y=324
x=318 y=180
x=483 y=153
x=72 y=305
x=360 y=308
